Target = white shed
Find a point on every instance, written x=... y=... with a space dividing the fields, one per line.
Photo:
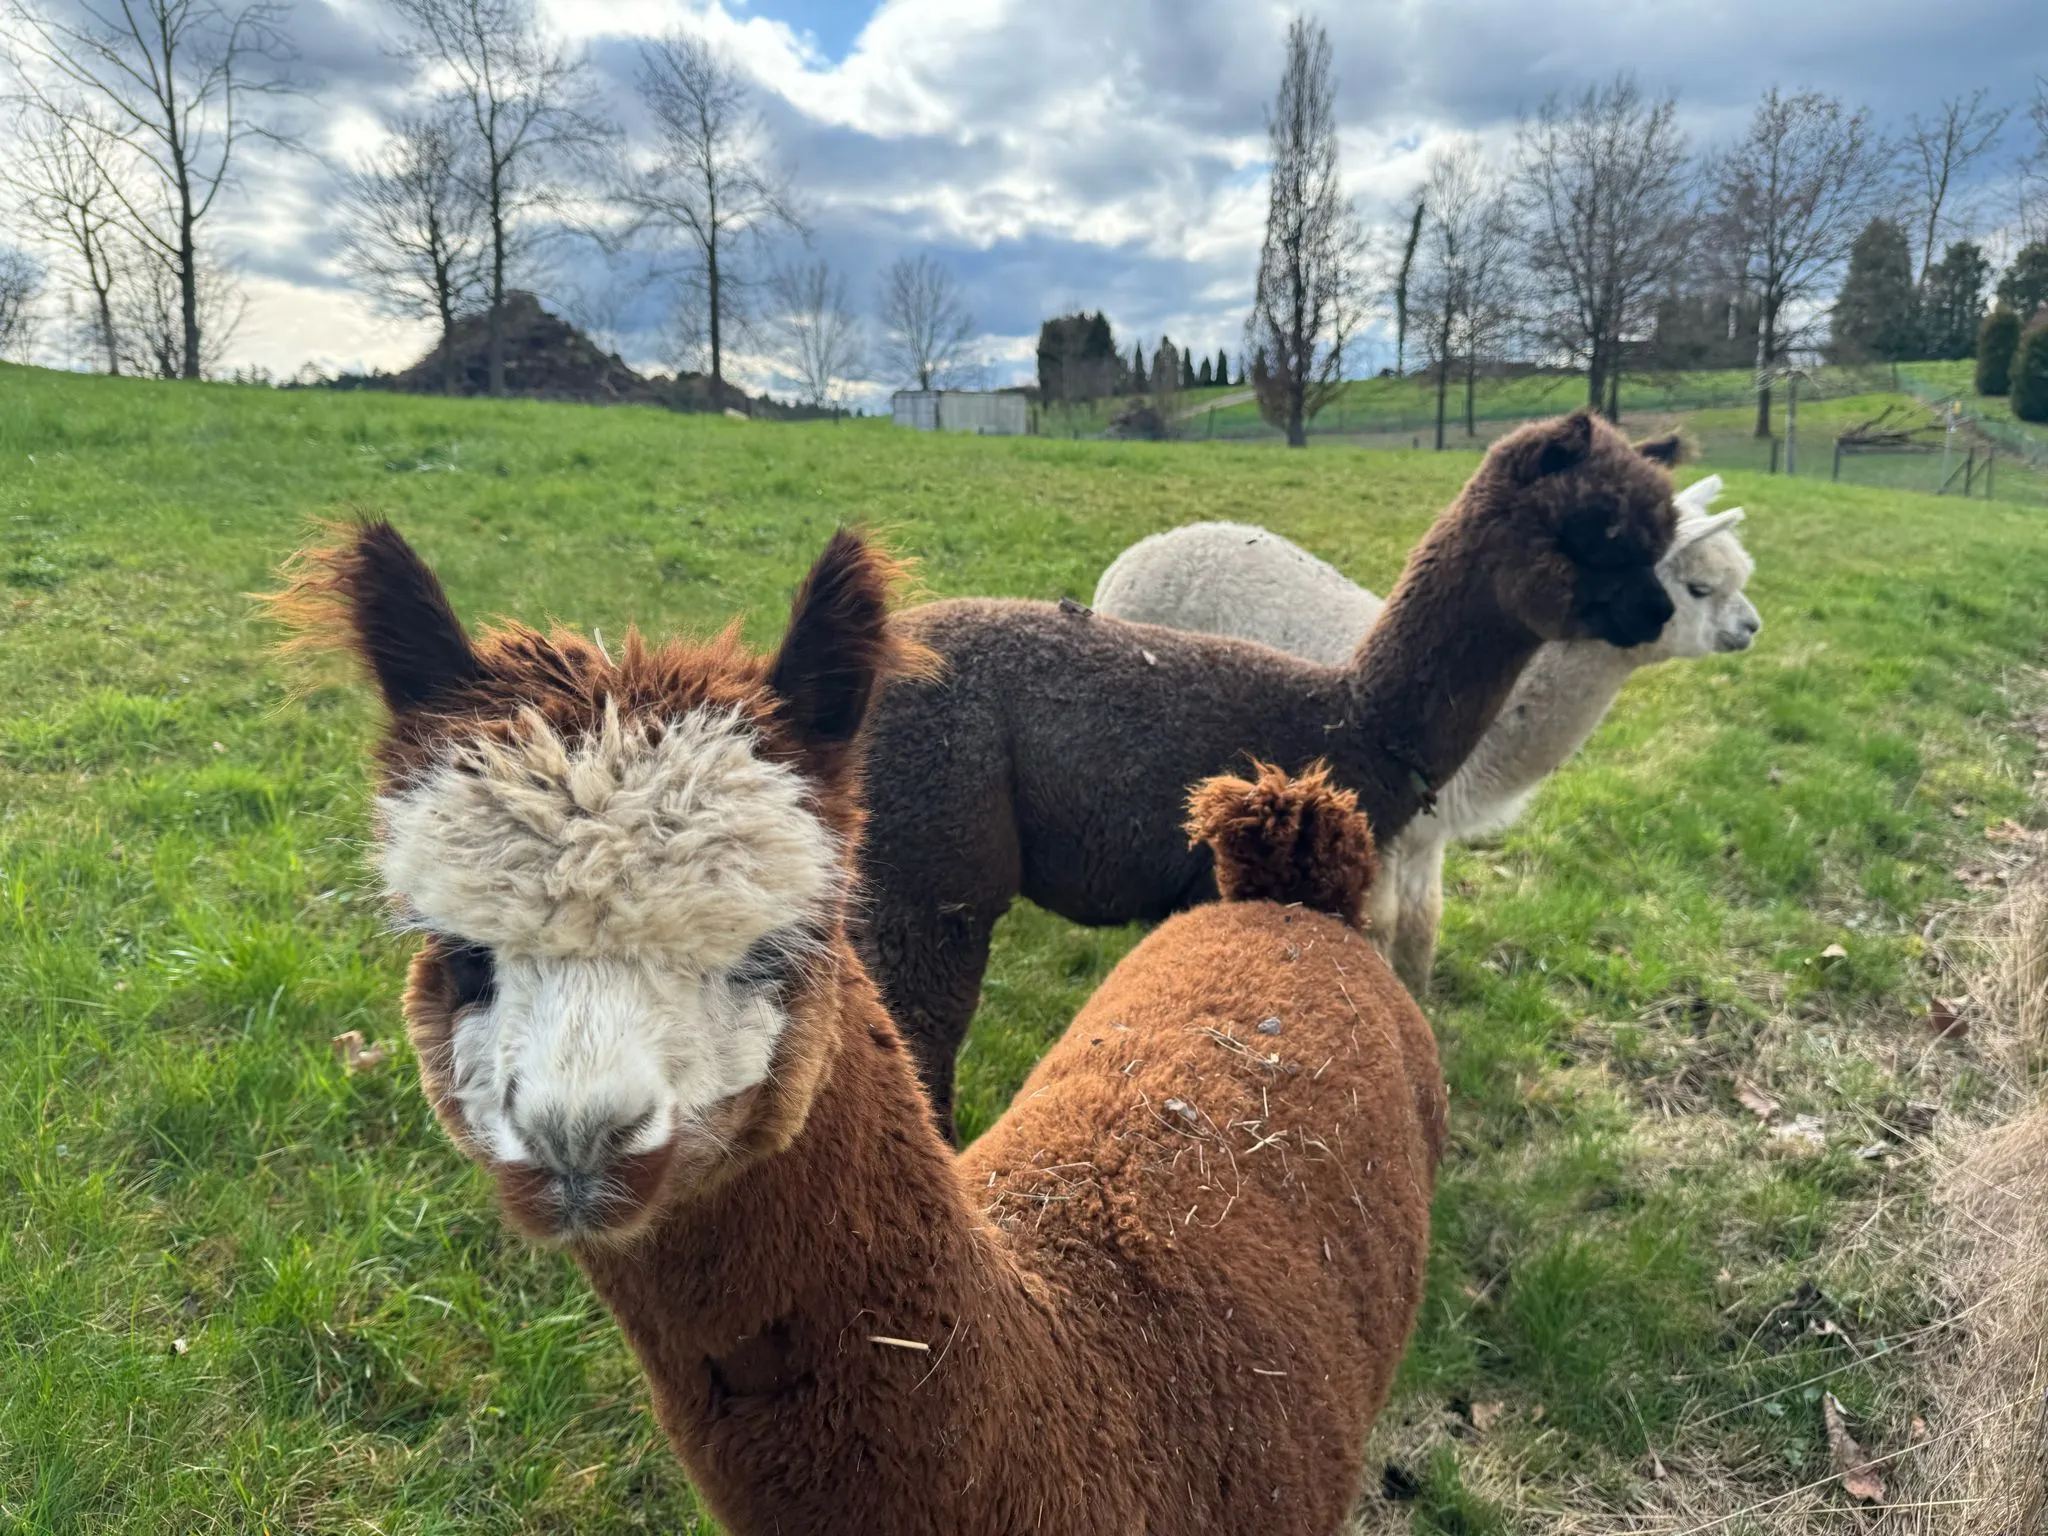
x=962 y=410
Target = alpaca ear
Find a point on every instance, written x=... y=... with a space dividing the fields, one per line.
x=1552 y=448
x=839 y=642
x=1667 y=450
x=374 y=596
x=1691 y=530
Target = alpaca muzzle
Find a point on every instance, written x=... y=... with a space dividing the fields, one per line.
x=605 y=1194
x=1632 y=611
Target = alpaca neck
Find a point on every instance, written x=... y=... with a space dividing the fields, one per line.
x=753 y=1308
x=1426 y=682
x=1563 y=695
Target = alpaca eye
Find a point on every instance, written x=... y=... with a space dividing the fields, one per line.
x=774 y=960
x=472 y=973
x=1699 y=589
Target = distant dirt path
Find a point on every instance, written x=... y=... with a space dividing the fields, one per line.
x=1218 y=403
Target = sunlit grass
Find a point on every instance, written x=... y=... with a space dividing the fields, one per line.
x=184 y=922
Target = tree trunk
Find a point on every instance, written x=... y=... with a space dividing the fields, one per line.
x=1614 y=393
x=1471 y=384
x=1766 y=354
x=1297 y=427
x=714 y=299
x=188 y=278
x=495 y=379
x=1443 y=383
x=1596 y=378
x=449 y=381
x=101 y=292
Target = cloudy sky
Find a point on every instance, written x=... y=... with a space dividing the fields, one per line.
x=1057 y=154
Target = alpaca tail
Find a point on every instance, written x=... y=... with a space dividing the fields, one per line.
x=1299 y=840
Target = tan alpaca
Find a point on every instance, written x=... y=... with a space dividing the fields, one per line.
x=1168 y=1290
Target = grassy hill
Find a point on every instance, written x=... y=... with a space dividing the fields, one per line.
x=241 y=1291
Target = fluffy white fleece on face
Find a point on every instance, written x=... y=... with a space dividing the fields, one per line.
x=597 y=1045
x=617 y=881
x=677 y=838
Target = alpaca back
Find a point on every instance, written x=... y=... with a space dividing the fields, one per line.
x=1225 y=1167
x=1235 y=579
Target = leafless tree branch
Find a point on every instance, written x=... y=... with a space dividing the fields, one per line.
x=925 y=326
x=708 y=185
x=1309 y=297
x=164 y=93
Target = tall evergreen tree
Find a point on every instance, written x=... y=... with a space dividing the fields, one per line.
x=1204 y=378
x=1138 y=383
x=1877 y=313
x=1952 y=305
x=2024 y=288
x=1187 y=370
x=1998 y=338
x=1223 y=366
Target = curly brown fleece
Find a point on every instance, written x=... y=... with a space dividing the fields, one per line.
x=1169 y=1289
x=1051 y=756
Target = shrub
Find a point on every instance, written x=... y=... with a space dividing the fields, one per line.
x=1997 y=339
x=2030 y=375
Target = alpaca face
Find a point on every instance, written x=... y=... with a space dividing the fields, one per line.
x=628 y=875
x=1706 y=579
x=1585 y=516
x=621 y=918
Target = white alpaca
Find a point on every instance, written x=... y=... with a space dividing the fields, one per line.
x=1235 y=579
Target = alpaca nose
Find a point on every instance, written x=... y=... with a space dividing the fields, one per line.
x=585 y=1170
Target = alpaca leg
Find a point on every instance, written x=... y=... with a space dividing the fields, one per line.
x=1383 y=904
x=1421 y=900
x=928 y=966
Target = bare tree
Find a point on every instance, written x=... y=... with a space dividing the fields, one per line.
x=925 y=327
x=1465 y=278
x=1787 y=203
x=63 y=194
x=522 y=95
x=1307 y=302
x=1937 y=156
x=2033 y=181
x=21 y=284
x=709 y=183
x=1605 y=188
x=149 y=314
x=1404 y=273
x=412 y=227
x=816 y=333
x=169 y=87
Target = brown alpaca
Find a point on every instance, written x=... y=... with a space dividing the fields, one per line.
x=1051 y=755
x=1167 y=1292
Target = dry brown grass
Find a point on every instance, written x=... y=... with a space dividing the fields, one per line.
x=1986 y=1469
x=1962 y=1218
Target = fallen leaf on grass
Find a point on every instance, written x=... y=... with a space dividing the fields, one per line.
x=357 y=1056
x=1486 y=1415
x=1802 y=1131
x=2010 y=831
x=1657 y=1466
x=1754 y=1099
x=1945 y=1019
x=180 y=1347
x=1859 y=1478
x=1834 y=952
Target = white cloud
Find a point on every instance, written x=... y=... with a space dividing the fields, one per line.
x=1106 y=153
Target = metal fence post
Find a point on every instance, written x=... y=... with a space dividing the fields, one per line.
x=1837 y=475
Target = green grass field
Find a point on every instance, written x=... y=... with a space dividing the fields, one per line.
x=241 y=1291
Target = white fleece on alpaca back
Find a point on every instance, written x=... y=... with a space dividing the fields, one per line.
x=1235 y=579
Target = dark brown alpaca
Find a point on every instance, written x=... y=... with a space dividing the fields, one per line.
x=1166 y=1293
x=1051 y=754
